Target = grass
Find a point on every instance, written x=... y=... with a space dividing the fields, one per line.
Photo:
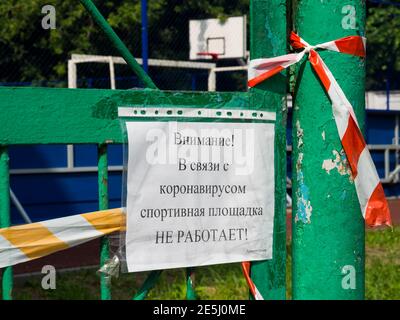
x=220 y=281
x=216 y=282
x=382 y=277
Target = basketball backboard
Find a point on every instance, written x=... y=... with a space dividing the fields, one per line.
x=211 y=38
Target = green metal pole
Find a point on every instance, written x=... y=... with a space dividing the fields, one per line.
x=102 y=165
x=148 y=284
x=118 y=44
x=328 y=228
x=7 y=279
x=269 y=38
x=190 y=292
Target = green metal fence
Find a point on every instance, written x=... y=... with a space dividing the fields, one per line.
x=63 y=116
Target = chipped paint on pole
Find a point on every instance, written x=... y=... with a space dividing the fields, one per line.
x=268 y=39
x=328 y=228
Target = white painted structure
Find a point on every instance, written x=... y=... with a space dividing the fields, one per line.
x=111 y=61
x=227 y=39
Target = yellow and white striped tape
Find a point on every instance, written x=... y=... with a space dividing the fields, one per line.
x=35 y=240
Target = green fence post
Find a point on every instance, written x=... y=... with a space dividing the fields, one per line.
x=190 y=292
x=102 y=165
x=328 y=228
x=7 y=278
x=269 y=38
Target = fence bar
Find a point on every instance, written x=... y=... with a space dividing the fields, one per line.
x=19 y=207
x=387 y=163
x=328 y=228
x=102 y=164
x=7 y=279
x=190 y=292
x=148 y=284
x=145 y=35
x=118 y=44
x=269 y=38
x=112 y=74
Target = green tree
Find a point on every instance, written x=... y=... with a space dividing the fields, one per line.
x=27 y=52
x=383 y=47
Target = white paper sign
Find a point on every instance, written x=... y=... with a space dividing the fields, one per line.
x=199 y=193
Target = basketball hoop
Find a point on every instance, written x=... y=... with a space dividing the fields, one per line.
x=213 y=55
x=212 y=39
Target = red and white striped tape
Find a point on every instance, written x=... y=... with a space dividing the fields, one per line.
x=253 y=289
x=374 y=206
